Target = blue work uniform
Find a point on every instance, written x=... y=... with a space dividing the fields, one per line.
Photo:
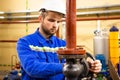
x=38 y=57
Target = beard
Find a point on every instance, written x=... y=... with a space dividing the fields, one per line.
x=49 y=32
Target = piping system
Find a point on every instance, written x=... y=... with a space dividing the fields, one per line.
x=78 y=19
x=76 y=67
x=108 y=12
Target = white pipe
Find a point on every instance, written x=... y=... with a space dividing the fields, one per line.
x=15 y=17
x=26 y=11
x=98 y=12
x=93 y=7
x=2 y=17
x=1 y=12
x=89 y=7
x=78 y=13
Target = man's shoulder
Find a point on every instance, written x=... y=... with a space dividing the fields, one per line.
x=28 y=37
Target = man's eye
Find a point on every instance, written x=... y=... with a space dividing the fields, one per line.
x=58 y=21
x=51 y=20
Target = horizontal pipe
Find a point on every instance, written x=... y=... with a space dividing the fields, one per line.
x=8 y=41
x=89 y=7
x=78 y=14
x=22 y=17
x=98 y=12
x=78 y=19
x=19 y=21
x=17 y=12
x=98 y=18
x=98 y=7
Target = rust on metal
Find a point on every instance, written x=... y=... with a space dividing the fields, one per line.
x=71 y=48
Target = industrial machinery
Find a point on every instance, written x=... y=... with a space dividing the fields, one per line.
x=76 y=67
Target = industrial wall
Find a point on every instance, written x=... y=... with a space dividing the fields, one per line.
x=85 y=29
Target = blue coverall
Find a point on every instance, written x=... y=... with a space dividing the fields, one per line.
x=38 y=58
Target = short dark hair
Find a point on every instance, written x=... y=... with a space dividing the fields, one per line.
x=43 y=12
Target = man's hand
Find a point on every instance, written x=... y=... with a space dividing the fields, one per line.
x=95 y=66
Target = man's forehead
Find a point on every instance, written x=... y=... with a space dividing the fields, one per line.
x=54 y=15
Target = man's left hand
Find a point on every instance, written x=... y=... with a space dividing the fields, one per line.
x=95 y=66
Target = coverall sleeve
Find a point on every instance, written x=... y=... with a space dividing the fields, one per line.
x=31 y=63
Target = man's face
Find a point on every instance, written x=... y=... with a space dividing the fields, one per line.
x=50 y=23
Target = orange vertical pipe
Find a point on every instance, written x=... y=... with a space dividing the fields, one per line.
x=71 y=23
x=57 y=33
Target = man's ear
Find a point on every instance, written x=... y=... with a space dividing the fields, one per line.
x=40 y=18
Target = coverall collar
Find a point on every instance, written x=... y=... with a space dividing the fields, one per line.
x=43 y=39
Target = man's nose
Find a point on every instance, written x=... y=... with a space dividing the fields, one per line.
x=55 y=24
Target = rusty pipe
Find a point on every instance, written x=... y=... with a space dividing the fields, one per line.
x=14 y=41
x=71 y=24
x=78 y=19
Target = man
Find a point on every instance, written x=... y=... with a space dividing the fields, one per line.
x=37 y=51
